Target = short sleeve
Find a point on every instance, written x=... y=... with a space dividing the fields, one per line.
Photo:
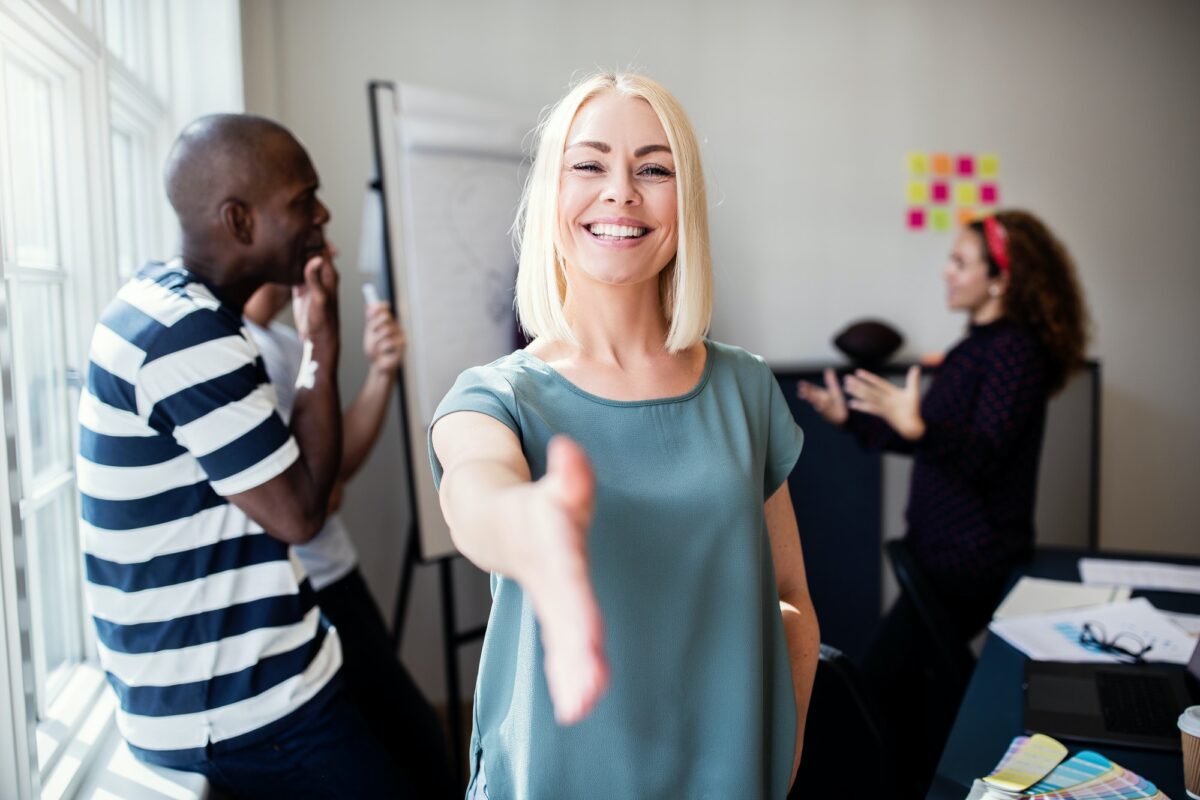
x=480 y=389
x=216 y=401
x=785 y=438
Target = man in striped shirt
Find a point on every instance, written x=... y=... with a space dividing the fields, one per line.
x=192 y=487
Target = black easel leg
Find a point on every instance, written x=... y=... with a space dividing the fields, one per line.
x=404 y=589
x=450 y=648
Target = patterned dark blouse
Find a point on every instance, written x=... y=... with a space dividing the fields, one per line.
x=974 y=479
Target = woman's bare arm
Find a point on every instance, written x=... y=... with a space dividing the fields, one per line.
x=800 y=626
x=534 y=532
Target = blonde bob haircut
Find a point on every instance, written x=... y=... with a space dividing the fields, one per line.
x=685 y=284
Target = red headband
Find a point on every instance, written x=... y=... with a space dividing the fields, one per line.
x=997 y=242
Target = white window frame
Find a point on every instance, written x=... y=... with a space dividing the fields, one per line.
x=59 y=47
x=75 y=744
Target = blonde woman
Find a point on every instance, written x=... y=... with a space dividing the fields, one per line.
x=623 y=478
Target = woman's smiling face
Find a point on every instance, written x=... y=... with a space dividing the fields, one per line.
x=617 y=202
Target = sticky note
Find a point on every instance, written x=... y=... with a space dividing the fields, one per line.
x=917 y=192
x=966 y=216
x=939 y=219
x=989 y=194
x=966 y=194
x=941 y=164
x=965 y=166
x=916 y=219
x=918 y=163
x=941 y=192
x=989 y=165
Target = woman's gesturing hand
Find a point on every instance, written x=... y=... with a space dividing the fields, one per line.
x=898 y=406
x=829 y=402
x=560 y=587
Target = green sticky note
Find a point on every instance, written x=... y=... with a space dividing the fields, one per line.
x=918 y=163
x=966 y=194
x=989 y=165
x=939 y=219
x=917 y=193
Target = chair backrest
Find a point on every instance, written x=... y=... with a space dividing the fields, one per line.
x=842 y=733
x=951 y=656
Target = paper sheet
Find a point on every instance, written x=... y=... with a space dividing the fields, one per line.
x=1039 y=595
x=1140 y=574
x=1189 y=622
x=1054 y=636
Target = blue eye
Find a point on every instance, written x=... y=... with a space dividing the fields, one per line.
x=656 y=171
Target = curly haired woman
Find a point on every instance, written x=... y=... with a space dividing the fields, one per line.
x=976 y=436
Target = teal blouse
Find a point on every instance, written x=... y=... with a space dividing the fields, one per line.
x=700 y=703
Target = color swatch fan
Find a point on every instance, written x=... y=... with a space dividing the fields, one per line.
x=1034 y=768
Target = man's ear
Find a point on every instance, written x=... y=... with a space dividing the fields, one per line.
x=238 y=221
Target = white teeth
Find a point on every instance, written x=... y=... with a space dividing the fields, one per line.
x=615 y=231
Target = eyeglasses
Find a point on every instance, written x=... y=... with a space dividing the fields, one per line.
x=1125 y=645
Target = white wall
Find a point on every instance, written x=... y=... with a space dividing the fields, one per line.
x=805 y=111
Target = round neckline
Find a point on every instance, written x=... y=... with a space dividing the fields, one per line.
x=996 y=324
x=653 y=401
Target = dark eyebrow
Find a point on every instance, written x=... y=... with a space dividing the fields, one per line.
x=310 y=189
x=641 y=151
x=651 y=148
x=601 y=146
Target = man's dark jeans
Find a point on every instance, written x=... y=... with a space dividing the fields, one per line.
x=328 y=754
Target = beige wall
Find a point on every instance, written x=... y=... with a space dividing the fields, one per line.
x=805 y=111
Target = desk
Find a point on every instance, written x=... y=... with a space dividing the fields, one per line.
x=991 y=713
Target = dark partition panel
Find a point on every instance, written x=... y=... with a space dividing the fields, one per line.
x=836 y=491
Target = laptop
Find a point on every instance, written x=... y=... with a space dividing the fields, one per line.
x=1132 y=705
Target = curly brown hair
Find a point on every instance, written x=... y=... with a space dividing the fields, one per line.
x=1043 y=292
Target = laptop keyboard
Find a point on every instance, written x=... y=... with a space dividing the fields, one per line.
x=1137 y=704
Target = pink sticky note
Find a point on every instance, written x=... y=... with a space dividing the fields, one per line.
x=989 y=194
x=966 y=166
x=916 y=219
x=940 y=191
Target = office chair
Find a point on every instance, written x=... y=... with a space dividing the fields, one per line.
x=841 y=734
x=950 y=658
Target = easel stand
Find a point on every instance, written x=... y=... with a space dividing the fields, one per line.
x=452 y=638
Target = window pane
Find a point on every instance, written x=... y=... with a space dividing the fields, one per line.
x=30 y=132
x=123 y=208
x=114 y=27
x=43 y=406
x=55 y=583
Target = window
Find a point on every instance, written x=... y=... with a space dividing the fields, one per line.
x=88 y=106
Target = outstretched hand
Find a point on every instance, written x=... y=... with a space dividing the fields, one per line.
x=577 y=672
x=829 y=401
x=898 y=406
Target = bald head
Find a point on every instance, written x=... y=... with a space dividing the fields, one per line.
x=228 y=157
x=245 y=193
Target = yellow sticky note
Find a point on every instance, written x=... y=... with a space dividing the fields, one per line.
x=917 y=193
x=989 y=165
x=918 y=163
x=966 y=194
x=1027 y=763
x=939 y=219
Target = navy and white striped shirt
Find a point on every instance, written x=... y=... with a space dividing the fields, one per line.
x=208 y=629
